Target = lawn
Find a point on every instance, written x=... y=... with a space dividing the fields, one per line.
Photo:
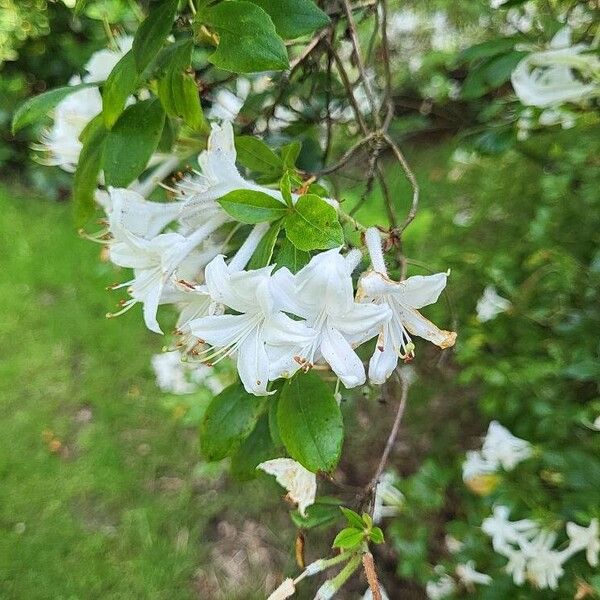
x=102 y=492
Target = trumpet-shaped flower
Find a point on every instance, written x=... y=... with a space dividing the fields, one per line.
x=322 y=294
x=154 y=263
x=502 y=448
x=217 y=177
x=505 y=532
x=469 y=576
x=547 y=78
x=544 y=564
x=491 y=304
x=403 y=298
x=300 y=483
x=255 y=297
x=585 y=538
x=388 y=498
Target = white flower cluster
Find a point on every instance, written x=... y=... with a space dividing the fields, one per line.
x=500 y=449
x=444 y=585
x=530 y=549
x=61 y=143
x=273 y=322
x=547 y=79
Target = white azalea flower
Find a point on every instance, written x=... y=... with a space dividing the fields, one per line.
x=255 y=296
x=517 y=565
x=388 y=498
x=547 y=78
x=227 y=104
x=61 y=142
x=585 y=538
x=544 y=566
x=440 y=588
x=322 y=294
x=505 y=532
x=490 y=305
x=502 y=448
x=217 y=177
x=154 y=263
x=476 y=465
x=469 y=576
x=403 y=298
x=300 y=483
x=175 y=376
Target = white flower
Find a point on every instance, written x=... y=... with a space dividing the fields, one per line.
x=517 y=565
x=453 y=545
x=322 y=294
x=255 y=297
x=388 y=498
x=171 y=373
x=154 y=263
x=547 y=78
x=585 y=538
x=501 y=447
x=476 y=465
x=490 y=305
x=217 y=177
x=469 y=576
x=441 y=588
x=544 y=566
x=61 y=142
x=300 y=483
x=505 y=532
x=403 y=298
x=285 y=590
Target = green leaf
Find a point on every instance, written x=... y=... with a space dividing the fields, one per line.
x=367 y=520
x=316 y=515
x=38 y=107
x=85 y=181
x=353 y=518
x=314 y=225
x=376 y=535
x=310 y=422
x=285 y=187
x=153 y=32
x=257 y=156
x=289 y=154
x=255 y=449
x=500 y=68
x=229 y=419
x=348 y=538
x=289 y=256
x=264 y=251
x=487 y=49
x=251 y=206
x=293 y=18
x=121 y=83
x=177 y=88
x=248 y=41
x=132 y=141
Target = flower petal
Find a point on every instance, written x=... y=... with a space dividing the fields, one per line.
x=382 y=363
x=341 y=357
x=253 y=364
x=417 y=324
x=220 y=330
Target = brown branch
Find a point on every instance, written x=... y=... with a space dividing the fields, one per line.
x=371 y=573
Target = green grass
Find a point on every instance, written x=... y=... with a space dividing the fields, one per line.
x=122 y=509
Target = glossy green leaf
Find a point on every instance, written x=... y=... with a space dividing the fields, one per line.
x=132 y=141
x=285 y=187
x=153 y=32
x=289 y=154
x=376 y=535
x=229 y=419
x=251 y=206
x=293 y=18
x=257 y=156
x=289 y=256
x=487 y=49
x=264 y=251
x=348 y=538
x=248 y=41
x=313 y=225
x=121 y=83
x=310 y=422
x=316 y=515
x=85 y=181
x=354 y=519
x=36 y=108
x=177 y=88
x=255 y=449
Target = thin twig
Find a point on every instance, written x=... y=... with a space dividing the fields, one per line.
x=404 y=385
